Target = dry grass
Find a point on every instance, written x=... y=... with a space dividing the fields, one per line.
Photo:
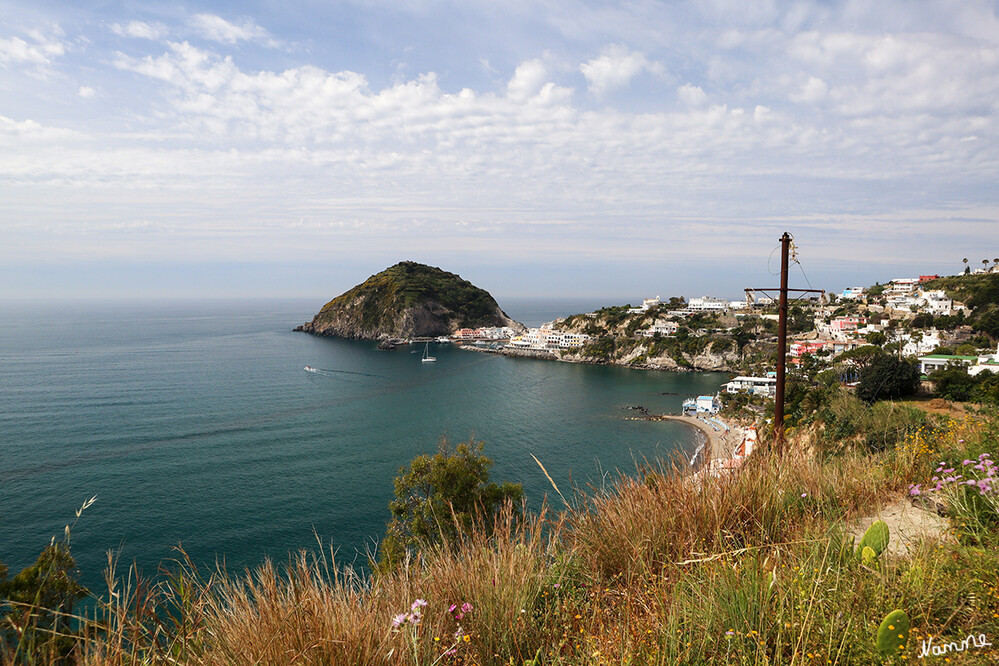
x=751 y=568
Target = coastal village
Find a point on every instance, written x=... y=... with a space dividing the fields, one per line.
x=833 y=338
x=909 y=316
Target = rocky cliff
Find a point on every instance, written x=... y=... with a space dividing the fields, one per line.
x=405 y=301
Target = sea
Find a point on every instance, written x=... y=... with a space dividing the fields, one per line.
x=196 y=425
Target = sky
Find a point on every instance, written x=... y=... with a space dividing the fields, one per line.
x=536 y=147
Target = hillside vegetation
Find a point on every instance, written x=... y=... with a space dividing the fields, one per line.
x=978 y=292
x=408 y=300
x=702 y=341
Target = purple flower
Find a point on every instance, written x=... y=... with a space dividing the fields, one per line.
x=467 y=607
x=969 y=482
x=984 y=456
x=399 y=620
x=914 y=489
x=804 y=494
x=967 y=462
x=417 y=605
x=948 y=471
x=452 y=608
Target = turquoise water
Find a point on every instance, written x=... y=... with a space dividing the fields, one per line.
x=196 y=424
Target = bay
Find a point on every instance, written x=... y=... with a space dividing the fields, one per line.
x=194 y=423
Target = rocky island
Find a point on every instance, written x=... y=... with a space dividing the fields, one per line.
x=408 y=300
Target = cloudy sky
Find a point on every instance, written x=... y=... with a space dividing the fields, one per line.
x=549 y=147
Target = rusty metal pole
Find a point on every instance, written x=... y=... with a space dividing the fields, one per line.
x=785 y=242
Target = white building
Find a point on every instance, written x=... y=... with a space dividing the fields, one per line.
x=702 y=404
x=914 y=345
x=986 y=363
x=933 y=362
x=852 y=293
x=755 y=385
x=707 y=304
x=647 y=304
x=935 y=302
x=663 y=328
x=901 y=286
x=547 y=338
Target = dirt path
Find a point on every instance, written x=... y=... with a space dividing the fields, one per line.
x=907 y=525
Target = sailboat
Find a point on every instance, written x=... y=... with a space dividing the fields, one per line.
x=427 y=358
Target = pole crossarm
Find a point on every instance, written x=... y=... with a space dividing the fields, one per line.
x=805 y=291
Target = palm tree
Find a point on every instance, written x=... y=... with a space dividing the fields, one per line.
x=985 y=265
x=965 y=260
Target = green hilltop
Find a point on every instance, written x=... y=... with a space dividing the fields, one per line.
x=408 y=300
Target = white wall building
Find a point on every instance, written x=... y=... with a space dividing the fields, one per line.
x=755 y=385
x=546 y=338
x=663 y=328
x=647 y=304
x=707 y=304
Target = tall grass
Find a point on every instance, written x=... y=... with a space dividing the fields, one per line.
x=748 y=568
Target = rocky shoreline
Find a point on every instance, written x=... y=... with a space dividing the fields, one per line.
x=565 y=358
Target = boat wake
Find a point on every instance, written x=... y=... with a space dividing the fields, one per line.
x=324 y=371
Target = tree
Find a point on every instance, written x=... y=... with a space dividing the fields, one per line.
x=876 y=338
x=37 y=603
x=861 y=357
x=888 y=377
x=441 y=497
x=954 y=383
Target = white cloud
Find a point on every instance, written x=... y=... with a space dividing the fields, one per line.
x=140 y=30
x=527 y=80
x=40 y=51
x=613 y=68
x=86 y=92
x=808 y=123
x=220 y=30
x=692 y=95
x=812 y=91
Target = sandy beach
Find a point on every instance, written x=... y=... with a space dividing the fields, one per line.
x=721 y=443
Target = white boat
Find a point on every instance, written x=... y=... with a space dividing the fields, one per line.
x=309 y=368
x=427 y=358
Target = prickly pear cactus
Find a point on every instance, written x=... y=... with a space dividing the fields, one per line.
x=876 y=537
x=867 y=555
x=893 y=634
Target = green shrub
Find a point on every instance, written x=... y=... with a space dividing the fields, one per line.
x=441 y=497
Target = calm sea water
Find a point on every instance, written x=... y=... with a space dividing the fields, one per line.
x=196 y=424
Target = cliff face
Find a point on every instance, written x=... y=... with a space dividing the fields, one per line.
x=706 y=361
x=405 y=301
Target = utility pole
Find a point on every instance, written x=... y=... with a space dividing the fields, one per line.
x=785 y=246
